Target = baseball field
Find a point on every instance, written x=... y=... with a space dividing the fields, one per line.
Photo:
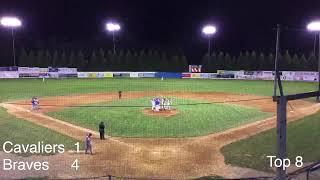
x=216 y=127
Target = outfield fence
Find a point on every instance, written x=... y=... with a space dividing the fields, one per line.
x=65 y=72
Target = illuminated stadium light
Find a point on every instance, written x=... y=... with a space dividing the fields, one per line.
x=314 y=26
x=10 y=22
x=209 y=30
x=112 y=27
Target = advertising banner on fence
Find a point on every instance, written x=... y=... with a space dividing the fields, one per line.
x=186 y=75
x=108 y=74
x=92 y=75
x=287 y=75
x=29 y=70
x=9 y=74
x=41 y=70
x=167 y=75
x=53 y=69
x=100 y=74
x=310 y=76
x=82 y=75
x=10 y=68
x=267 y=75
x=147 y=74
x=200 y=75
x=53 y=75
x=195 y=75
x=28 y=75
x=67 y=70
x=67 y=75
x=121 y=74
x=134 y=74
x=204 y=75
x=44 y=75
x=298 y=76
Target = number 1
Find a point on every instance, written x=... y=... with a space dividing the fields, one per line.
x=77 y=146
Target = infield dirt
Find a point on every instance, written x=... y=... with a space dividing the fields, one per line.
x=151 y=157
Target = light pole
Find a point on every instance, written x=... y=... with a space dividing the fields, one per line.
x=209 y=30
x=314 y=26
x=11 y=22
x=113 y=27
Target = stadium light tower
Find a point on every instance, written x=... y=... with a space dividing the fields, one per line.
x=314 y=26
x=113 y=27
x=209 y=31
x=11 y=22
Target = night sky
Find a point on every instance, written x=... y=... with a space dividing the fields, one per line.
x=165 y=24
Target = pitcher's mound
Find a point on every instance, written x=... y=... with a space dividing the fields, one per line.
x=165 y=113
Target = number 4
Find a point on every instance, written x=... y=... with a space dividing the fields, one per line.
x=75 y=164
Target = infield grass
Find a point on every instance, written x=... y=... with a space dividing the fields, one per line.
x=193 y=119
x=19 y=131
x=26 y=88
x=303 y=139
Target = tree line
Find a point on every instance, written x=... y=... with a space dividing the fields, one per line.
x=154 y=60
x=259 y=61
x=105 y=60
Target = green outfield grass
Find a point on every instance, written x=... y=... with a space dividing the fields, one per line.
x=303 y=139
x=20 y=131
x=192 y=120
x=26 y=88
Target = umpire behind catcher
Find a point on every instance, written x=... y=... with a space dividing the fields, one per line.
x=101 y=130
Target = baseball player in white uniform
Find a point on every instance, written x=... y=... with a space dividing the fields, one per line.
x=169 y=104
x=153 y=104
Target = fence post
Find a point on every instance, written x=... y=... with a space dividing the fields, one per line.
x=281 y=134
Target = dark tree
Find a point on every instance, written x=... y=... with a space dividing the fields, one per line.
x=93 y=62
x=183 y=64
x=304 y=64
x=157 y=60
x=128 y=61
x=228 y=65
x=38 y=58
x=261 y=62
x=286 y=62
x=220 y=61
x=312 y=61
x=23 y=59
x=164 y=65
x=295 y=59
x=205 y=63
x=109 y=60
x=63 y=62
x=72 y=60
x=56 y=61
x=81 y=61
x=270 y=62
x=253 y=65
x=47 y=61
x=31 y=58
x=141 y=61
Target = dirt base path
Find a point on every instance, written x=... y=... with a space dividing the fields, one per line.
x=156 y=158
